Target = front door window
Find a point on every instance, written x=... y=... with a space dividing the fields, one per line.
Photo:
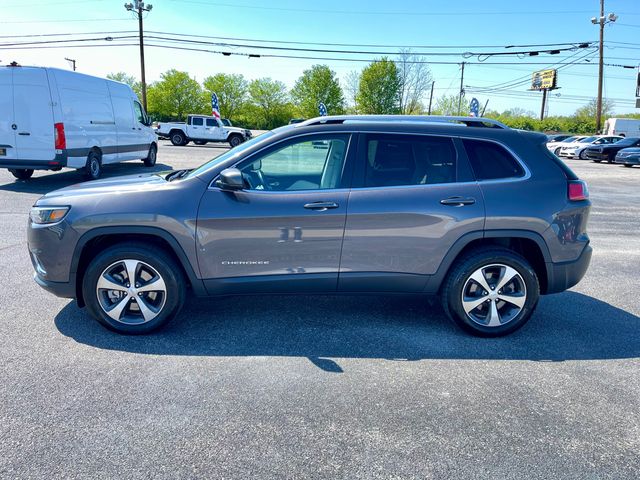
x=311 y=164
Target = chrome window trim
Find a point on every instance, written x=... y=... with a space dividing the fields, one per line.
x=352 y=132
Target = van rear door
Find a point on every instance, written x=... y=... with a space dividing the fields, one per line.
x=33 y=114
x=7 y=134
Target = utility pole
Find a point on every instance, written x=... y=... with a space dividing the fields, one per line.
x=138 y=8
x=602 y=21
x=461 y=90
x=72 y=62
x=431 y=97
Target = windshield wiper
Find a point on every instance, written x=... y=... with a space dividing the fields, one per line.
x=177 y=174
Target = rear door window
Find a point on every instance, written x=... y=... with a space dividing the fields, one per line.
x=395 y=160
x=491 y=161
x=197 y=121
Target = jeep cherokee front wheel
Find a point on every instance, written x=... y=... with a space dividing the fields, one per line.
x=491 y=292
x=131 y=288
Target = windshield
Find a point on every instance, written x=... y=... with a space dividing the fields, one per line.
x=588 y=140
x=234 y=152
x=570 y=139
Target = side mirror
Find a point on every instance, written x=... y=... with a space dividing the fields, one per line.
x=230 y=179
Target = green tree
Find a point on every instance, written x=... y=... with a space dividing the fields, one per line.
x=448 y=105
x=129 y=80
x=269 y=104
x=590 y=109
x=232 y=90
x=318 y=84
x=175 y=96
x=380 y=88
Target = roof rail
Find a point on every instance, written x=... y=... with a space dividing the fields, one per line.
x=341 y=119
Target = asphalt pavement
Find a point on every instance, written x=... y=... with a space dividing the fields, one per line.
x=296 y=387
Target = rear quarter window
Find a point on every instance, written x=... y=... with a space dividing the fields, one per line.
x=491 y=161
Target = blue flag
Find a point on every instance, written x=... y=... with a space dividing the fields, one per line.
x=322 y=108
x=474 y=108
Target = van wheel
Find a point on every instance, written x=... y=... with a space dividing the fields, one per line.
x=235 y=140
x=150 y=161
x=93 y=168
x=133 y=288
x=178 y=139
x=491 y=292
x=21 y=173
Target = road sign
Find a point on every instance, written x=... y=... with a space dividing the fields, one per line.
x=474 y=107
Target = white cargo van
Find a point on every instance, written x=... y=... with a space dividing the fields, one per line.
x=51 y=118
x=625 y=127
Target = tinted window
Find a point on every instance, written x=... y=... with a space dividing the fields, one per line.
x=212 y=122
x=305 y=165
x=197 y=121
x=491 y=161
x=409 y=160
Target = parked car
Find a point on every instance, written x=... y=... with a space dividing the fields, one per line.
x=391 y=204
x=51 y=118
x=625 y=127
x=608 y=153
x=201 y=129
x=629 y=156
x=577 y=149
x=559 y=137
x=556 y=146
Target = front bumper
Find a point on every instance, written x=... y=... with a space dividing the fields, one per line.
x=59 y=289
x=562 y=276
x=628 y=160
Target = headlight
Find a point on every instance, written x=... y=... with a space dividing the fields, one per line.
x=48 y=215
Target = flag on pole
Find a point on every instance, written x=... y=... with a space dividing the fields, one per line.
x=215 y=106
x=474 y=107
x=322 y=108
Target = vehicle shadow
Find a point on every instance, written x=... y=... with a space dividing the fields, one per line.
x=54 y=180
x=567 y=326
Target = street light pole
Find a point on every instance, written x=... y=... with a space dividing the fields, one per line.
x=601 y=21
x=138 y=8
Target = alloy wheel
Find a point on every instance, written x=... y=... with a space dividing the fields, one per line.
x=494 y=295
x=131 y=292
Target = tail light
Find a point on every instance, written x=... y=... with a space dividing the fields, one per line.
x=577 y=191
x=60 y=139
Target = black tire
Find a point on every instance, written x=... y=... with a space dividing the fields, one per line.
x=235 y=140
x=582 y=155
x=557 y=151
x=93 y=167
x=154 y=257
x=597 y=161
x=178 y=138
x=459 y=279
x=150 y=161
x=21 y=173
x=199 y=142
x=628 y=165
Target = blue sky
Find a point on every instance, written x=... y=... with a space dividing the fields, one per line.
x=466 y=24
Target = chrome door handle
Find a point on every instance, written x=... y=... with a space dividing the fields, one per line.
x=321 y=206
x=458 y=201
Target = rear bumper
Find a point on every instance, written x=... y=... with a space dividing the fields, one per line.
x=59 y=161
x=562 y=276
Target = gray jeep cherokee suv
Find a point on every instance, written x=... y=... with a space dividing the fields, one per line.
x=466 y=208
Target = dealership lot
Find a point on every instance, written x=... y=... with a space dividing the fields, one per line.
x=324 y=386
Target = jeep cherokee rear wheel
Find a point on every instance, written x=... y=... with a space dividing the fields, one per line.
x=133 y=288
x=491 y=292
